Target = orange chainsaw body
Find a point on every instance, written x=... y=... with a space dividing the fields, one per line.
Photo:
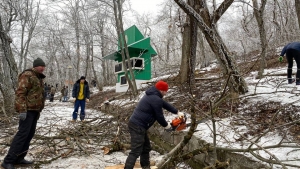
x=178 y=124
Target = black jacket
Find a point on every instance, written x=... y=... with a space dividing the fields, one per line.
x=293 y=45
x=86 y=90
x=149 y=109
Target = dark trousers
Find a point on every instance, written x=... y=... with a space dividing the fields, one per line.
x=20 y=144
x=140 y=146
x=51 y=97
x=81 y=104
x=290 y=55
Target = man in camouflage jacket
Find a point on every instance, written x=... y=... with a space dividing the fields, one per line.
x=29 y=102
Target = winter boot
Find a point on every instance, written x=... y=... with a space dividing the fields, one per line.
x=290 y=81
x=146 y=167
x=23 y=161
x=7 y=165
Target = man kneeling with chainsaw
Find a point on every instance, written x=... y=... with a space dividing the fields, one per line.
x=148 y=110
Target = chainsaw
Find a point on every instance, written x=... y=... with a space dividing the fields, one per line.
x=179 y=123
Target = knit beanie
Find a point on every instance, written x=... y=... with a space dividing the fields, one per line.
x=82 y=77
x=38 y=62
x=161 y=85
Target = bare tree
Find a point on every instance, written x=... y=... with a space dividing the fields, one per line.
x=71 y=13
x=123 y=47
x=76 y=19
x=206 y=23
x=8 y=65
x=8 y=73
x=29 y=15
x=189 y=45
x=259 y=15
x=297 y=6
x=103 y=42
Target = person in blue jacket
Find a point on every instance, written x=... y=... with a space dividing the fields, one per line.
x=148 y=110
x=292 y=50
x=81 y=92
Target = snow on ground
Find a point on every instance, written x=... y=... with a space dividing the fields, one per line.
x=269 y=88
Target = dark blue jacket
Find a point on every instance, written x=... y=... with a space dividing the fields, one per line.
x=86 y=90
x=149 y=110
x=293 y=45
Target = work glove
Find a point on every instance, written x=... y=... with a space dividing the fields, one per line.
x=280 y=58
x=22 y=116
x=87 y=100
x=169 y=128
x=180 y=114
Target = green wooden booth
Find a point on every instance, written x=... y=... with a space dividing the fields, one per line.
x=140 y=52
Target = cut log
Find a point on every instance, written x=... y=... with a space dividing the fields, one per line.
x=115 y=147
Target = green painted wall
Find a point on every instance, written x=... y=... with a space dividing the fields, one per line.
x=132 y=35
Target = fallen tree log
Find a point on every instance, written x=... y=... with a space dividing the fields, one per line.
x=117 y=146
x=219 y=165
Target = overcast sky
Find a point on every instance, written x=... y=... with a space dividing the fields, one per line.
x=145 y=6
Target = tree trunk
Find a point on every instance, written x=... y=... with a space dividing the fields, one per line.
x=297 y=6
x=183 y=72
x=103 y=62
x=203 y=59
x=76 y=20
x=259 y=15
x=206 y=23
x=8 y=76
x=123 y=47
x=189 y=45
x=88 y=53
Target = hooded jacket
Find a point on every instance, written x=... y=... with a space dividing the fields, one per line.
x=149 y=110
x=76 y=88
x=293 y=45
x=30 y=91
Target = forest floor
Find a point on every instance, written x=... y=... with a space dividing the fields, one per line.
x=271 y=106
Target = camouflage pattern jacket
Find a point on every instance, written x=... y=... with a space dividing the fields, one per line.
x=30 y=91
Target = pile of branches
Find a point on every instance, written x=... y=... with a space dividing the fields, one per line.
x=96 y=135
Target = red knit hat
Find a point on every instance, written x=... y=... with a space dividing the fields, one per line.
x=161 y=85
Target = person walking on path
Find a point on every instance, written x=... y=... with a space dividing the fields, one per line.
x=66 y=92
x=29 y=103
x=148 y=110
x=52 y=93
x=81 y=92
x=62 y=91
x=292 y=51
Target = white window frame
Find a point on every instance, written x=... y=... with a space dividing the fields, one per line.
x=133 y=59
x=121 y=81
x=133 y=67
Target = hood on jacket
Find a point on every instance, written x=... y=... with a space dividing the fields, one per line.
x=153 y=91
x=78 y=81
